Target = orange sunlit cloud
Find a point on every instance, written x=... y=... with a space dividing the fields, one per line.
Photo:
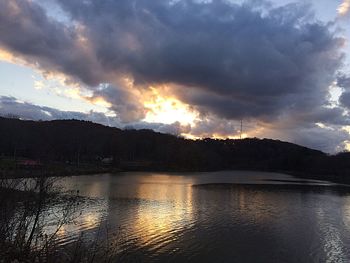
x=6 y=56
x=99 y=101
x=81 y=94
x=9 y=57
x=347 y=145
x=219 y=136
x=344 y=8
x=168 y=110
x=215 y=136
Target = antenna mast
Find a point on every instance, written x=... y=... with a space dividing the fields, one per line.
x=240 y=136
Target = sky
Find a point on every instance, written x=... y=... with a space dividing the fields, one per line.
x=193 y=68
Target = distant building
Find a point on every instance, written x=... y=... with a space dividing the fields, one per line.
x=135 y=165
x=29 y=163
x=107 y=161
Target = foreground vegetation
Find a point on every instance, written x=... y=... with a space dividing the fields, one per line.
x=24 y=212
x=32 y=214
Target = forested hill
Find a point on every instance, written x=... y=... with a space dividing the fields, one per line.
x=81 y=142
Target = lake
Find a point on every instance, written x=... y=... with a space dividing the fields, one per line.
x=231 y=216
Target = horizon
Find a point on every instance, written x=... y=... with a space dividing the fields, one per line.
x=130 y=128
x=187 y=68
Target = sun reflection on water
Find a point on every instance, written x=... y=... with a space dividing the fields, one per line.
x=346 y=212
x=164 y=209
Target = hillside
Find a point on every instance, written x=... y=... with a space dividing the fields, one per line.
x=76 y=142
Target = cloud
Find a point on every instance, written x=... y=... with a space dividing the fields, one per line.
x=124 y=102
x=344 y=8
x=175 y=128
x=345 y=99
x=27 y=30
x=264 y=64
x=343 y=81
x=330 y=139
x=12 y=106
x=210 y=50
x=211 y=126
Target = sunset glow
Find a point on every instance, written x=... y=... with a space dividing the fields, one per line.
x=168 y=110
x=344 y=8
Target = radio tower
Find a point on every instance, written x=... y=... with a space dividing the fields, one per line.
x=240 y=136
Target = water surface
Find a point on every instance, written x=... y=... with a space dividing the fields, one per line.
x=214 y=217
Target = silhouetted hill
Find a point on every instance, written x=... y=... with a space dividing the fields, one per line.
x=79 y=142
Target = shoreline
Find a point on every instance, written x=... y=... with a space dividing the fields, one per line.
x=91 y=170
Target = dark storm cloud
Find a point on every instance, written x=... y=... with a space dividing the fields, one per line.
x=122 y=102
x=257 y=62
x=345 y=99
x=343 y=82
x=25 y=29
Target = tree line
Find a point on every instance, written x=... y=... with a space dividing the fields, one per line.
x=77 y=142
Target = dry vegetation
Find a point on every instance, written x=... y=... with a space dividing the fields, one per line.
x=32 y=212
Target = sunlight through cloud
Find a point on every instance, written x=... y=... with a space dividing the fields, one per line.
x=344 y=8
x=168 y=110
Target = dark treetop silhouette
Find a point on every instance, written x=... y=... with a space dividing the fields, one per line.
x=76 y=143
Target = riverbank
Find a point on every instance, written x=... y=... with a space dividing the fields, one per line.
x=55 y=172
x=63 y=170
